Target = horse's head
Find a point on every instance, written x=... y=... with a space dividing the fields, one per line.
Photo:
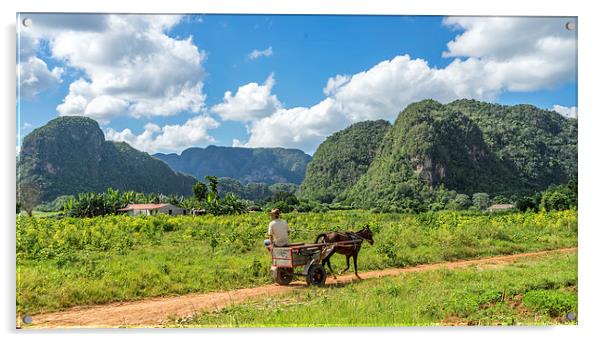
x=366 y=234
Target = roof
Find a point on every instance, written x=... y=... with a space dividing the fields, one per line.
x=145 y=206
x=501 y=206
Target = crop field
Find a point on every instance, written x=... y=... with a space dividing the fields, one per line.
x=541 y=291
x=70 y=261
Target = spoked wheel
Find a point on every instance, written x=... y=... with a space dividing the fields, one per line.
x=284 y=276
x=316 y=275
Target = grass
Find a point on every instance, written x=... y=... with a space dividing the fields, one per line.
x=540 y=291
x=67 y=262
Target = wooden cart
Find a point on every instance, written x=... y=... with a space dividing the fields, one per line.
x=307 y=258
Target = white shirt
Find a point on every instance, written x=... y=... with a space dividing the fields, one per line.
x=279 y=231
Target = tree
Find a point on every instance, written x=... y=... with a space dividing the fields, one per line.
x=199 y=189
x=500 y=199
x=480 y=200
x=29 y=196
x=286 y=197
x=462 y=201
x=212 y=186
x=555 y=200
x=528 y=203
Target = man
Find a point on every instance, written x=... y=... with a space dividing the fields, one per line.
x=278 y=229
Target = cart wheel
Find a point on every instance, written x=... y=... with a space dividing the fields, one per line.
x=284 y=276
x=316 y=275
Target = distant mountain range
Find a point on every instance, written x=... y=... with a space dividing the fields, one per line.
x=247 y=165
x=467 y=146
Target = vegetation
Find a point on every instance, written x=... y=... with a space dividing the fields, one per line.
x=63 y=262
x=247 y=165
x=69 y=155
x=256 y=192
x=556 y=197
x=28 y=197
x=539 y=291
x=341 y=160
x=432 y=149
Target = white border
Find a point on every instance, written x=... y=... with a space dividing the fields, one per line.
x=590 y=112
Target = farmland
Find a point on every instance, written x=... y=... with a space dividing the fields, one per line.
x=70 y=261
x=532 y=292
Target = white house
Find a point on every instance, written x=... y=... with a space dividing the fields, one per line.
x=152 y=209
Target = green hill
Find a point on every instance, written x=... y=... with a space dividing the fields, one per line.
x=468 y=146
x=69 y=155
x=342 y=159
x=247 y=165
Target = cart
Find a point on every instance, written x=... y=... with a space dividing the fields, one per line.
x=308 y=256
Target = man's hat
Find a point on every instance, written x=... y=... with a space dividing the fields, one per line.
x=275 y=211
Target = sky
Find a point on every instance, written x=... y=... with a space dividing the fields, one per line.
x=164 y=83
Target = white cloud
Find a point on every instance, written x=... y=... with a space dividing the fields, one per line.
x=251 y=102
x=193 y=132
x=334 y=83
x=34 y=76
x=260 y=53
x=569 y=112
x=492 y=55
x=522 y=53
x=131 y=65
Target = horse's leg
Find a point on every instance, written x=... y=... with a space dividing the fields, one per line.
x=330 y=268
x=355 y=266
x=326 y=261
x=346 y=269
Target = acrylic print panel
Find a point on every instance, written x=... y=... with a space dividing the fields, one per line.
x=296 y=170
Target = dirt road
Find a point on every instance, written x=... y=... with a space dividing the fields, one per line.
x=155 y=311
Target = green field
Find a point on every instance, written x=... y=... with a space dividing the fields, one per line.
x=538 y=291
x=70 y=261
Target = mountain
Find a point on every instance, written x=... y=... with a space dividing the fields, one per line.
x=69 y=155
x=467 y=146
x=247 y=165
x=342 y=159
x=257 y=192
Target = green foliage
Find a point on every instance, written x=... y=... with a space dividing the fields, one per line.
x=341 y=160
x=551 y=302
x=461 y=202
x=248 y=165
x=464 y=296
x=560 y=197
x=70 y=155
x=200 y=191
x=75 y=261
x=557 y=197
x=481 y=201
x=465 y=146
x=256 y=192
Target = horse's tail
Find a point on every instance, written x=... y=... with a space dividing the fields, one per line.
x=323 y=236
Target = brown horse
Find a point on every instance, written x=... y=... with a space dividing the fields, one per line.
x=349 y=249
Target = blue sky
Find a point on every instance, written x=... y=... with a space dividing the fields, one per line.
x=161 y=85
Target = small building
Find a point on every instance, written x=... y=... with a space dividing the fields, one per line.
x=500 y=207
x=152 y=209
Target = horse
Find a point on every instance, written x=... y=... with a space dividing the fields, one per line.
x=350 y=249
